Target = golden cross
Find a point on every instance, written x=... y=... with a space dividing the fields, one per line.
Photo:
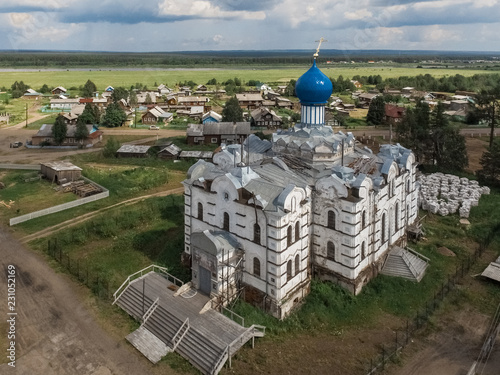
x=321 y=40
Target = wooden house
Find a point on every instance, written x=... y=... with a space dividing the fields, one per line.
x=217 y=133
x=133 y=151
x=58 y=90
x=170 y=152
x=44 y=136
x=249 y=101
x=393 y=114
x=156 y=114
x=265 y=117
x=211 y=116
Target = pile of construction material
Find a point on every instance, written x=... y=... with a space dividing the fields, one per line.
x=447 y=194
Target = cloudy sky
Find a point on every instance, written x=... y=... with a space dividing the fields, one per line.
x=192 y=25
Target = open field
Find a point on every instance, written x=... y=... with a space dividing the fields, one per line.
x=103 y=78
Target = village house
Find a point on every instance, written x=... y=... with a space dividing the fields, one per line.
x=45 y=137
x=249 y=101
x=31 y=94
x=170 y=152
x=268 y=216
x=217 y=133
x=393 y=114
x=284 y=103
x=58 y=90
x=194 y=101
x=69 y=118
x=143 y=97
x=263 y=117
x=155 y=115
x=357 y=84
x=365 y=99
x=64 y=104
x=163 y=90
x=211 y=116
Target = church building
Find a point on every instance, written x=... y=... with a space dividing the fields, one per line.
x=264 y=218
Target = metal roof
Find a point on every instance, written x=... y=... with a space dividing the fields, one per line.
x=133 y=149
x=61 y=166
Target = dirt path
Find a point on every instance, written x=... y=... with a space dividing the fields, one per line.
x=80 y=219
x=54 y=333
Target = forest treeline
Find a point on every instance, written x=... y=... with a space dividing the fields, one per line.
x=35 y=59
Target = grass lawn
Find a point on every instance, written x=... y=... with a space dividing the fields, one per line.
x=170 y=77
x=17 y=109
x=51 y=119
x=25 y=197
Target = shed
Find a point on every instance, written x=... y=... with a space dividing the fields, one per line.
x=133 y=151
x=60 y=171
x=169 y=152
x=493 y=270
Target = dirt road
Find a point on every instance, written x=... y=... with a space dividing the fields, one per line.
x=54 y=333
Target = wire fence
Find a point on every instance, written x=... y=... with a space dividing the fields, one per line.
x=96 y=281
x=390 y=351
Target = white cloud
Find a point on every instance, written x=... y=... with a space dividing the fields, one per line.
x=204 y=9
x=218 y=38
x=358 y=14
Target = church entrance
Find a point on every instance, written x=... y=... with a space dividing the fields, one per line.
x=205 y=281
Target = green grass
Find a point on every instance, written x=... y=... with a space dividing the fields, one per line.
x=46 y=120
x=120 y=242
x=28 y=196
x=125 y=78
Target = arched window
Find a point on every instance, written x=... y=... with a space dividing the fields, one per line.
x=297 y=231
x=408 y=186
x=289 y=270
x=289 y=238
x=200 y=211
x=363 y=219
x=331 y=220
x=256 y=233
x=363 y=250
x=225 y=224
x=256 y=266
x=297 y=264
x=396 y=217
x=383 y=228
x=330 y=250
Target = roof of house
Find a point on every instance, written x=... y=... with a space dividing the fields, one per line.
x=249 y=97
x=171 y=149
x=46 y=130
x=394 y=111
x=133 y=149
x=189 y=99
x=59 y=88
x=61 y=166
x=196 y=154
x=212 y=114
x=158 y=113
x=259 y=113
x=218 y=128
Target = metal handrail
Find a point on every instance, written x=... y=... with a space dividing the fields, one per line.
x=423 y=257
x=154 y=268
x=150 y=311
x=127 y=282
x=403 y=255
x=186 y=323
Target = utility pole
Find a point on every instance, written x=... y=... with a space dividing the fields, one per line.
x=26 y=114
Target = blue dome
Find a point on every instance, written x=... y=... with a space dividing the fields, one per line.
x=313 y=87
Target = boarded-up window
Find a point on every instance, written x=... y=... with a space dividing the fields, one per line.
x=256 y=233
x=200 y=211
x=331 y=220
x=383 y=228
x=330 y=250
x=256 y=267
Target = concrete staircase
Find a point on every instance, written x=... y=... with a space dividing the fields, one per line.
x=407 y=264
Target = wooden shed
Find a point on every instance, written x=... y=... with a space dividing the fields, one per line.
x=60 y=172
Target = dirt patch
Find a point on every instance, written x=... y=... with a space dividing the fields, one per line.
x=475 y=149
x=446 y=252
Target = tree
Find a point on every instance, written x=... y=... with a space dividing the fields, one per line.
x=119 y=93
x=81 y=132
x=88 y=89
x=59 y=130
x=44 y=89
x=90 y=114
x=132 y=98
x=115 y=116
x=212 y=81
x=110 y=148
x=18 y=89
x=376 y=111
x=290 y=88
x=148 y=99
x=413 y=131
x=232 y=111
x=487 y=108
x=490 y=163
